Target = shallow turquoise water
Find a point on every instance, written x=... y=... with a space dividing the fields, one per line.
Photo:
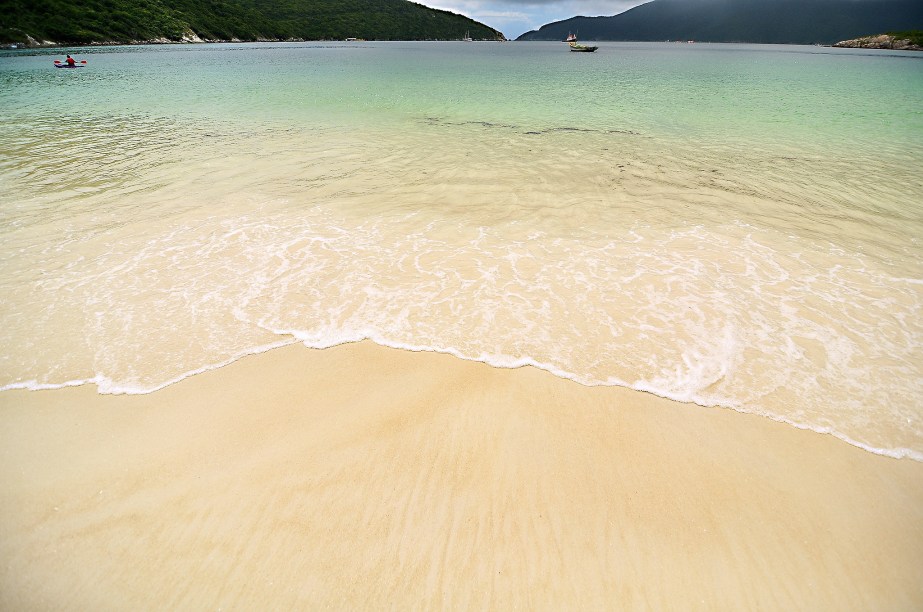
x=793 y=95
x=723 y=224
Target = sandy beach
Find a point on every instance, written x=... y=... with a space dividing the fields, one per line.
x=367 y=477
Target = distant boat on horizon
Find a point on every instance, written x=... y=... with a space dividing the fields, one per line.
x=583 y=48
x=571 y=40
x=467 y=37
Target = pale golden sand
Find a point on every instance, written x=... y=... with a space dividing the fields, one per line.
x=364 y=477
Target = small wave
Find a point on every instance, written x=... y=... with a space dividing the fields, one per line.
x=106 y=386
x=34 y=385
x=510 y=362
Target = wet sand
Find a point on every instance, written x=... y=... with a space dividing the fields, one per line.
x=367 y=477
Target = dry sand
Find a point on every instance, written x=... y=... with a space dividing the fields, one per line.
x=366 y=477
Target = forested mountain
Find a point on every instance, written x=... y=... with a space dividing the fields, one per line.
x=85 y=21
x=754 y=21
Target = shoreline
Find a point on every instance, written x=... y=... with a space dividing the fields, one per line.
x=38 y=45
x=48 y=44
x=361 y=475
x=105 y=386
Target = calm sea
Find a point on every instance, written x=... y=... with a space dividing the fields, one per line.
x=729 y=225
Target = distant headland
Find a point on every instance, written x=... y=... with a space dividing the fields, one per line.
x=899 y=41
x=797 y=22
x=58 y=22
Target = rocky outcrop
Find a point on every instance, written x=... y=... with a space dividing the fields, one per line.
x=32 y=42
x=188 y=37
x=882 y=41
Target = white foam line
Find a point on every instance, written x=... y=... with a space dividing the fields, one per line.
x=497 y=361
x=34 y=385
x=116 y=390
x=515 y=363
x=894 y=453
x=106 y=387
x=686 y=398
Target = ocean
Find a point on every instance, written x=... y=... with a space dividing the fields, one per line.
x=736 y=226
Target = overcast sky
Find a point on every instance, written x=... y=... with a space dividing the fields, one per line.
x=513 y=17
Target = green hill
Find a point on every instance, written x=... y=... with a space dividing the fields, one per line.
x=127 y=21
x=752 y=21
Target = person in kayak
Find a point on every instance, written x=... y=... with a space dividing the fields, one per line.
x=70 y=61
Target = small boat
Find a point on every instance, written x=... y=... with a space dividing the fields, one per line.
x=467 y=37
x=571 y=40
x=574 y=46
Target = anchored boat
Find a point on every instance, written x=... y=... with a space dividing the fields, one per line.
x=571 y=40
x=575 y=46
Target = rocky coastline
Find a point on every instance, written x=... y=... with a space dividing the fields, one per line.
x=881 y=41
x=188 y=37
